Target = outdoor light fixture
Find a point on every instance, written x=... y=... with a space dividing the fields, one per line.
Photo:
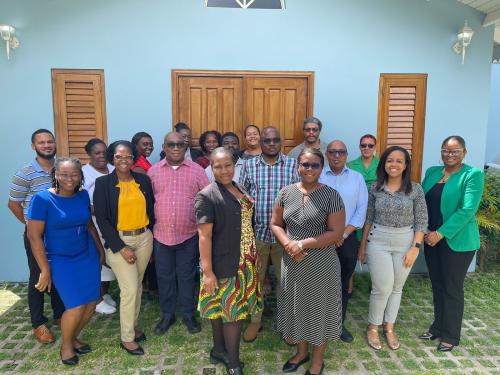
x=7 y=34
x=464 y=37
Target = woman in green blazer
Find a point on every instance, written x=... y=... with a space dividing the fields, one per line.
x=453 y=194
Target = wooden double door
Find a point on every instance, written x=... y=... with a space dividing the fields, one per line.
x=230 y=100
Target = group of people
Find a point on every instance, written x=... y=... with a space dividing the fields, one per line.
x=228 y=213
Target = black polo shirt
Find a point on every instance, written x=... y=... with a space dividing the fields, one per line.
x=216 y=205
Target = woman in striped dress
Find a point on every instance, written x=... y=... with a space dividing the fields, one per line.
x=308 y=218
x=229 y=290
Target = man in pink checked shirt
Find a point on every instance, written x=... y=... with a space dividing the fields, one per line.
x=176 y=182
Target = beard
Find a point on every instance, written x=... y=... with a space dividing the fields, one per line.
x=46 y=156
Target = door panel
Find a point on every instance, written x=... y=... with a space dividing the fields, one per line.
x=230 y=100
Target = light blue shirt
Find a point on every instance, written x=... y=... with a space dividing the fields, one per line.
x=352 y=189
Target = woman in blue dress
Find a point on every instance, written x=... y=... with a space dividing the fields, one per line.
x=68 y=251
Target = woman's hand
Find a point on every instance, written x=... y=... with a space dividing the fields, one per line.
x=362 y=253
x=432 y=238
x=44 y=281
x=209 y=282
x=410 y=256
x=128 y=254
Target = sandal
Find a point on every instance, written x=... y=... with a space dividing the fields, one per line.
x=428 y=336
x=374 y=342
x=392 y=343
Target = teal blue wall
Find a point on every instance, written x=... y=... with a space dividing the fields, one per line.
x=137 y=43
x=492 y=148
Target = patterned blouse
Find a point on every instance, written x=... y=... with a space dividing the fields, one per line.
x=398 y=209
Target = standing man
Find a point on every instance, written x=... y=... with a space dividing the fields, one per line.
x=352 y=189
x=29 y=180
x=312 y=129
x=263 y=177
x=367 y=163
x=231 y=142
x=191 y=153
x=176 y=182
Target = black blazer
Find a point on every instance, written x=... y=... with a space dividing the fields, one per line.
x=214 y=204
x=106 y=195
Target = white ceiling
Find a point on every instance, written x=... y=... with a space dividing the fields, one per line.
x=491 y=9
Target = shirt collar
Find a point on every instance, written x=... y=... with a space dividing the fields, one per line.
x=37 y=166
x=281 y=159
x=329 y=171
x=164 y=163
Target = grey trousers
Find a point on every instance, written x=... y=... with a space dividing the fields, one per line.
x=384 y=254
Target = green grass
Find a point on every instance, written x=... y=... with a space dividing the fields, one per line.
x=177 y=352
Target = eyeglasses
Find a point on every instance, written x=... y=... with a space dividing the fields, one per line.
x=367 y=145
x=123 y=157
x=455 y=152
x=313 y=166
x=311 y=130
x=172 y=145
x=337 y=152
x=268 y=141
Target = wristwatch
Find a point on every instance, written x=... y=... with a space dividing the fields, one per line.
x=300 y=244
x=418 y=245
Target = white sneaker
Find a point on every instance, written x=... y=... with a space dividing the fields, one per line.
x=109 y=300
x=104 y=308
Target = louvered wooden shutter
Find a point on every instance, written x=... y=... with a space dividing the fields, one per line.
x=401 y=115
x=79 y=110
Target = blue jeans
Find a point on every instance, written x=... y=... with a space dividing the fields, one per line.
x=176 y=271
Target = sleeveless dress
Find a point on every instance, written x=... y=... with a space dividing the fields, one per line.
x=239 y=296
x=71 y=252
x=310 y=297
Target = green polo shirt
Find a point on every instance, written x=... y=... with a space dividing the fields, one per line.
x=369 y=174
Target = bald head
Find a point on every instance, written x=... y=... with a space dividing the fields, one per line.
x=336 y=153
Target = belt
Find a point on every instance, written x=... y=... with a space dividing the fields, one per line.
x=133 y=232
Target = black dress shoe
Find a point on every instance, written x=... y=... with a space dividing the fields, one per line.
x=346 y=336
x=163 y=325
x=221 y=357
x=140 y=338
x=445 y=348
x=292 y=367
x=192 y=325
x=136 y=351
x=428 y=336
x=73 y=361
x=84 y=349
x=320 y=371
x=235 y=371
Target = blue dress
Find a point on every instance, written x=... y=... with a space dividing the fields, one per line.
x=71 y=251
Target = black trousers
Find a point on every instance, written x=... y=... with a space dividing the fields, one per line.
x=447 y=270
x=176 y=271
x=348 y=256
x=35 y=297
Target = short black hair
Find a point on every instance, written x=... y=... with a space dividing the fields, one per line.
x=91 y=143
x=137 y=137
x=457 y=138
x=204 y=135
x=312 y=120
x=181 y=126
x=382 y=175
x=312 y=151
x=40 y=131
x=230 y=134
x=368 y=136
x=110 y=152
x=250 y=126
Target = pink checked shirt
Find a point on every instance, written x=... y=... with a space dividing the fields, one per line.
x=175 y=190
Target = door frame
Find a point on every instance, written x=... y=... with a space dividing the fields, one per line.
x=178 y=73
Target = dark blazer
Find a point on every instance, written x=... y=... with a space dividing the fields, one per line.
x=106 y=195
x=215 y=205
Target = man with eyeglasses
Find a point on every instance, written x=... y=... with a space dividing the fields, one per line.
x=176 y=181
x=263 y=177
x=312 y=128
x=352 y=189
x=231 y=142
x=29 y=180
x=367 y=163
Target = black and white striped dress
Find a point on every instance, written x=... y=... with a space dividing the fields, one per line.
x=310 y=298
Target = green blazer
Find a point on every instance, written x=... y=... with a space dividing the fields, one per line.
x=459 y=203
